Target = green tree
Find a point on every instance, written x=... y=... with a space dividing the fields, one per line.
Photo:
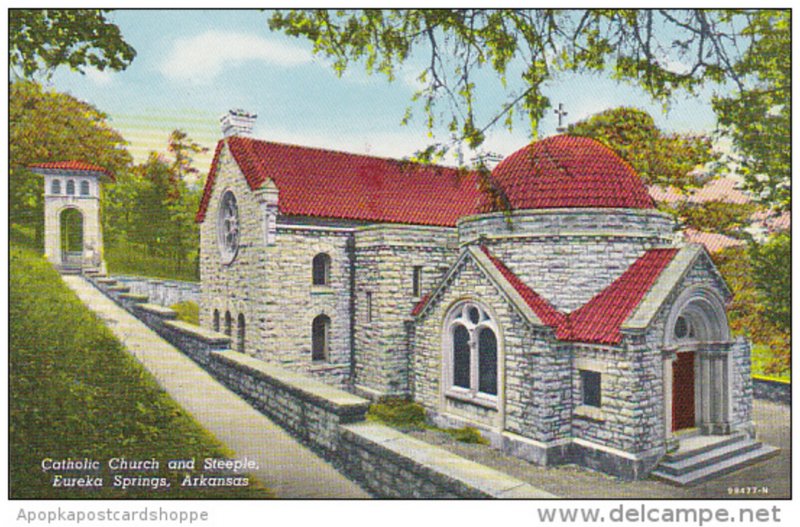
x=722 y=217
x=758 y=117
x=45 y=125
x=40 y=40
x=152 y=213
x=665 y=159
x=659 y=50
x=772 y=274
x=182 y=148
x=750 y=313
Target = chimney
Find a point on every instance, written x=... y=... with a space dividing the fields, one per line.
x=237 y=122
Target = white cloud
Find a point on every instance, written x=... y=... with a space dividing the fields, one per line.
x=101 y=78
x=201 y=58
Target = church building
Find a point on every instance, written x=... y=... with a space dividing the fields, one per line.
x=548 y=303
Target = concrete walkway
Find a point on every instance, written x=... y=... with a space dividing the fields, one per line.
x=285 y=466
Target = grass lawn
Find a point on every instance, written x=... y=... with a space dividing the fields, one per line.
x=188 y=312
x=761 y=357
x=76 y=393
x=132 y=261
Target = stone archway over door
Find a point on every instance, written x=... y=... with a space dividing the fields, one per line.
x=697 y=364
x=71 y=236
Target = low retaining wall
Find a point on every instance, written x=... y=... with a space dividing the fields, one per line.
x=394 y=465
x=306 y=407
x=162 y=292
x=332 y=421
x=772 y=390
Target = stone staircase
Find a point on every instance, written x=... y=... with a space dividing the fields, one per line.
x=701 y=458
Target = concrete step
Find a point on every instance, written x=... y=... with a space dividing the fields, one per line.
x=703 y=446
x=710 y=457
x=725 y=466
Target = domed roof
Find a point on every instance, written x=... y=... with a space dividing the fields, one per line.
x=568 y=172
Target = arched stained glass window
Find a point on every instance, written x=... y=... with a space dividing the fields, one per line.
x=472 y=351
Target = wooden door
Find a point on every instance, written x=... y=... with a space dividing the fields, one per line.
x=683 y=391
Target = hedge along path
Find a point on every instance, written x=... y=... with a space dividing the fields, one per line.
x=285 y=466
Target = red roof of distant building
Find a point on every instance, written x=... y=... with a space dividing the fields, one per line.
x=600 y=319
x=73 y=165
x=324 y=183
x=566 y=171
x=723 y=189
x=714 y=242
x=772 y=221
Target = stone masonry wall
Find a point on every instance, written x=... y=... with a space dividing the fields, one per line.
x=535 y=402
x=385 y=259
x=630 y=417
x=741 y=384
x=162 y=292
x=236 y=287
x=271 y=284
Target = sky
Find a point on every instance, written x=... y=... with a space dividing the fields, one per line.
x=193 y=66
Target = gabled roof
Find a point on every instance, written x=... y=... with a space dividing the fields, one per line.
x=601 y=319
x=549 y=315
x=666 y=282
x=520 y=298
x=75 y=166
x=598 y=321
x=324 y=183
x=568 y=172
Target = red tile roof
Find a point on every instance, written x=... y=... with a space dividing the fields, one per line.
x=73 y=165
x=599 y=320
x=565 y=171
x=323 y=183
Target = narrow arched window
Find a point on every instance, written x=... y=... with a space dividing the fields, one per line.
x=55 y=186
x=84 y=188
x=471 y=349
x=461 y=357
x=487 y=361
x=228 y=323
x=70 y=187
x=320 y=338
x=240 y=330
x=216 y=320
x=321 y=269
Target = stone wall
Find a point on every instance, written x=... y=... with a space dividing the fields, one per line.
x=332 y=421
x=741 y=384
x=308 y=408
x=162 y=292
x=269 y=281
x=236 y=287
x=772 y=390
x=393 y=465
x=568 y=255
x=385 y=258
x=532 y=400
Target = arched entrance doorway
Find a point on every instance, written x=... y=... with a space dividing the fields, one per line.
x=71 y=238
x=697 y=372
